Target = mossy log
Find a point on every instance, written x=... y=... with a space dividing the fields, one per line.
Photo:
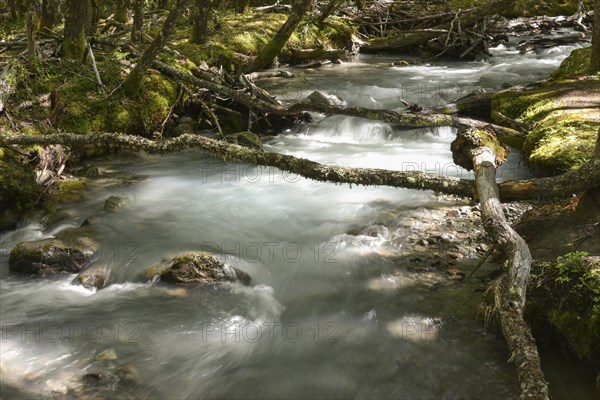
x=585 y=178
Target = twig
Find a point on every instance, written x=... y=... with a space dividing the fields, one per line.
x=212 y=115
x=480 y=263
x=95 y=66
x=177 y=100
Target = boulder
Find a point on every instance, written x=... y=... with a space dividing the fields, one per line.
x=113 y=203
x=247 y=139
x=324 y=99
x=72 y=250
x=182 y=129
x=195 y=268
x=92 y=278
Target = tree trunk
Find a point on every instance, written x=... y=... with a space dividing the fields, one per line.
x=272 y=49
x=514 y=282
x=77 y=22
x=595 y=62
x=50 y=13
x=31 y=46
x=202 y=10
x=163 y=4
x=121 y=9
x=329 y=9
x=12 y=8
x=133 y=82
x=242 y=6
x=138 y=21
x=568 y=182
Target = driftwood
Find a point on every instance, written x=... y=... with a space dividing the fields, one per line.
x=585 y=178
x=546 y=42
x=513 y=283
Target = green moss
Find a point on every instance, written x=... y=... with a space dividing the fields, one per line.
x=577 y=63
x=71 y=185
x=567 y=294
x=564 y=128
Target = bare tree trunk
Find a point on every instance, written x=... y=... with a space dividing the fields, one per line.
x=77 y=23
x=514 y=283
x=138 y=21
x=330 y=8
x=31 y=46
x=133 y=82
x=242 y=6
x=565 y=184
x=50 y=13
x=121 y=9
x=12 y=7
x=202 y=11
x=272 y=49
x=595 y=62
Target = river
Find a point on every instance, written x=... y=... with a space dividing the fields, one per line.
x=329 y=314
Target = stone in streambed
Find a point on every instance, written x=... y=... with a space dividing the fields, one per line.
x=113 y=203
x=194 y=268
x=247 y=139
x=92 y=278
x=72 y=250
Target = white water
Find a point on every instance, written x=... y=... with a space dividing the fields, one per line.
x=327 y=316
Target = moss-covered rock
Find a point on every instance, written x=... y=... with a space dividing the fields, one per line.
x=92 y=278
x=246 y=138
x=72 y=250
x=113 y=203
x=564 y=114
x=194 y=268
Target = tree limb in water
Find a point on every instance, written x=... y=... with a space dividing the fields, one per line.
x=513 y=283
x=585 y=178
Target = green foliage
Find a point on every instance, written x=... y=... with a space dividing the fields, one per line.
x=567 y=292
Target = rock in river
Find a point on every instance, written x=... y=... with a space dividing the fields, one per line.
x=197 y=268
x=72 y=250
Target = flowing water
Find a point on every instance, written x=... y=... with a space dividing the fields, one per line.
x=321 y=318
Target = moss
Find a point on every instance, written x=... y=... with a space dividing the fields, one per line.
x=243 y=35
x=18 y=190
x=564 y=118
x=71 y=185
x=566 y=293
x=563 y=140
x=577 y=63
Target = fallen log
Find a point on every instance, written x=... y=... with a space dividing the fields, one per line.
x=511 y=298
x=585 y=178
x=304 y=55
x=306 y=168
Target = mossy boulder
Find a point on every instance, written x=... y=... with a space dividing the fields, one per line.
x=72 y=250
x=196 y=268
x=113 y=203
x=245 y=138
x=565 y=116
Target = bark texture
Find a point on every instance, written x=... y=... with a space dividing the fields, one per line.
x=77 y=23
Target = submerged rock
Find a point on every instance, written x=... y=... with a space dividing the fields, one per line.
x=113 y=203
x=72 y=250
x=92 y=278
x=323 y=99
x=196 y=268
